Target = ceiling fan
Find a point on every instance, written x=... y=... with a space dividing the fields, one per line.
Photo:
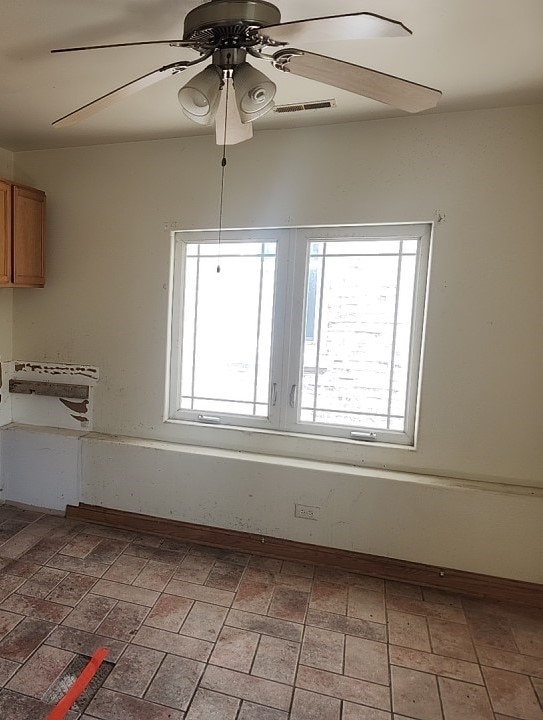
x=233 y=93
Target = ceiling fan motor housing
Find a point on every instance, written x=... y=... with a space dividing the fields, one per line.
x=229 y=23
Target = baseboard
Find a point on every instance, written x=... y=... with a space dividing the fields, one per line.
x=450 y=580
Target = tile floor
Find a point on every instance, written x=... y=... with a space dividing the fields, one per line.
x=204 y=634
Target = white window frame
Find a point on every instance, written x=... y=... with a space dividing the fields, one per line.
x=290 y=295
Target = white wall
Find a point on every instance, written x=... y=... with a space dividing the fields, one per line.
x=105 y=304
x=106 y=298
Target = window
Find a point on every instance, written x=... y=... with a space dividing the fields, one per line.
x=307 y=330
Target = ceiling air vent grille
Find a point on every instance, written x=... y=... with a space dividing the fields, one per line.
x=299 y=107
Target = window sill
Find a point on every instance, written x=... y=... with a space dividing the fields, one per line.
x=290 y=444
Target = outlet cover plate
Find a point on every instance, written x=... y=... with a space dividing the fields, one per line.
x=307 y=512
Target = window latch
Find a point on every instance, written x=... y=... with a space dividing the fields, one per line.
x=210 y=419
x=357 y=435
x=292 y=396
x=274 y=395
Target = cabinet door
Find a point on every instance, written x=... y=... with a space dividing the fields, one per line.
x=28 y=237
x=5 y=233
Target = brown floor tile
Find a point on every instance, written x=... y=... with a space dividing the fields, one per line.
x=435 y=664
x=21 y=642
x=9 y=584
x=200 y=592
x=247 y=687
x=441 y=597
x=128 y=593
x=235 y=649
x=347 y=625
x=173 y=643
x=175 y=682
x=323 y=649
x=21 y=543
x=84 y=643
x=288 y=604
x=44 y=550
x=329 y=598
x=276 y=660
x=298 y=568
x=366 y=660
x=84 y=566
x=344 y=688
x=393 y=587
x=253 y=596
x=110 y=532
x=367 y=582
x=489 y=628
x=415 y=694
x=225 y=576
x=251 y=711
x=80 y=545
x=20 y=568
x=148 y=540
x=8 y=668
x=209 y=705
x=311 y=706
x=452 y=639
x=36 y=608
x=108 y=550
x=366 y=604
x=169 y=612
x=134 y=671
x=419 y=607
x=90 y=612
x=265 y=625
x=125 y=569
x=14 y=706
x=194 y=569
x=204 y=621
x=538 y=687
x=515 y=662
x=8 y=621
x=363 y=712
x=528 y=634
x=155 y=576
x=41 y=584
x=39 y=672
x=110 y=705
x=261 y=562
x=408 y=630
x=123 y=621
x=160 y=554
x=72 y=589
x=461 y=700
x=512 y=694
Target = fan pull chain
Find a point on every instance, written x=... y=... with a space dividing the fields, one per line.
x=223 y=171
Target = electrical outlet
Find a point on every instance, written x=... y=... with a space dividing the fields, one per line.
x=307 y=512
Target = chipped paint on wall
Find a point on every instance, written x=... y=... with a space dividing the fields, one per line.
x=34 y=370
x=6 y=373
x=53 y=411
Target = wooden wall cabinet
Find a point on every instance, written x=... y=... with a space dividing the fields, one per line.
x=22 y=236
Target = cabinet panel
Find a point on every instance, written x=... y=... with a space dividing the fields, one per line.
x=5 y=232
x=28 y=236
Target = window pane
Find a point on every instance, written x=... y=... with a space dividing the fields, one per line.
x=356 y=360
x=227 y=328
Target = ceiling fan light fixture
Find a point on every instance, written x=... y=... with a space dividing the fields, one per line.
x=254 y=92
x=199 y=98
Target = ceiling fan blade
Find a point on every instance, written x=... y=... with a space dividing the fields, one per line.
x=111 y=97
x=355 y=26
x=228 y=120
x=176 y=43
x=389 y=89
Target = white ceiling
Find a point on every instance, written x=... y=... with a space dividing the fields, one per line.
x=480 y=53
